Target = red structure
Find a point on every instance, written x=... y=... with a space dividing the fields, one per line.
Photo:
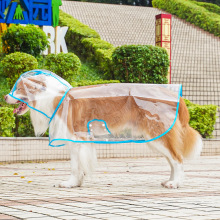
x=163 y=35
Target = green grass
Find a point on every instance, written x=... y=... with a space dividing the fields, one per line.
x=88 y=71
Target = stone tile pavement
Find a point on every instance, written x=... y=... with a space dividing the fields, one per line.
x=119 y=189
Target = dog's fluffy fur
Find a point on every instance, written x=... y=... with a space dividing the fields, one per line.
x=179 y=143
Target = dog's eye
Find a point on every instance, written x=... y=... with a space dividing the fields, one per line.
x=19 y=89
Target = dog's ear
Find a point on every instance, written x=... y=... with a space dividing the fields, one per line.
x=35 y=84
x=38 y=82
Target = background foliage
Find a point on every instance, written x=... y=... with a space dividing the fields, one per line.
x=202 y=118
x=193 y=12
x=76 y=33
x=66 y=65
x=7 y=122
x=13 y=65
x=140 y=64
x=28 y=39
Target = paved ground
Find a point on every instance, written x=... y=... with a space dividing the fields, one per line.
x=119 y=189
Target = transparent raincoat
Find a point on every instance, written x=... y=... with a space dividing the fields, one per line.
x=109 y=113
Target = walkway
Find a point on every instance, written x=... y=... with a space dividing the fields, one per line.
x=119 y=189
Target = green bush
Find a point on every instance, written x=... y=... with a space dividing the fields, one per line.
x=96 y=82
x=7 y=122
x=192 y=13
x=209 y=6
x=27 y=39
x=3 y=91
x=15 y=64
x=66 y=65
x=76 y=33
x=23 y=126
x=217 y=2
x=91 y=45
x=88 y=71
x=105 y=64
x=100 y=52
x=140 y=64
x=202 y=118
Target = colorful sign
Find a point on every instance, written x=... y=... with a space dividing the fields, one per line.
x=38 y=12
x=163 y=36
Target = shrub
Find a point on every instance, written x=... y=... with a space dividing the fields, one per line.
x=88 y=71
x=28 y=39
x=7 y=122
x=3 y=91
x=96 y=82
x=87 y=44
x=140 y=64
x=91 y=45
x=105 y=64
x=100 y=52
x=217 y=2
x=202 y=118
x=209 y=6
x=66 y=65
x=76 y=33
x=192 y=13
x=17 y=63
x=23 y=126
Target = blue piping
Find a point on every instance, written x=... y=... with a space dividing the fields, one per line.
x=100 y=121
x=59 y=104
x=29 y=105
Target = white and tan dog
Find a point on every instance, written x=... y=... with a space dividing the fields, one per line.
x=179 y=143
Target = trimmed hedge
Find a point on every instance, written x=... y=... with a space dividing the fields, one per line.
x=66 y=65
x=23 y=126
x=192 y=13
x=202 y=118
x=27 y=39
x=140 y=64
x=209 y=6
x=86 y=43
x=76 y=33
x=15 y=64
x=216 y=2
x=100 y=52
x=91 y=45
x=96 y=82
x=7 y=122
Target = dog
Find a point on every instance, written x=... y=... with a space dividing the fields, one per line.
x=48 y=96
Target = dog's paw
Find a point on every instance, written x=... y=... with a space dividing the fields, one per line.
x=67 y=184
x=171 y=184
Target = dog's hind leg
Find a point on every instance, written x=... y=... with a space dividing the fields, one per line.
x=177 y=173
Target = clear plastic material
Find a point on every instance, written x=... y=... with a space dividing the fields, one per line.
x=109 y=113
x=39 y=85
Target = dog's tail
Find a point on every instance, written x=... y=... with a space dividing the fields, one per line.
x=87 y=158
x=192 y=140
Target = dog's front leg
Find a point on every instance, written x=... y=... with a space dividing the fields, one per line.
x=77 y=175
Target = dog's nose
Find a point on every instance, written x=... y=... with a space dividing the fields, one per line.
x=5 y=97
